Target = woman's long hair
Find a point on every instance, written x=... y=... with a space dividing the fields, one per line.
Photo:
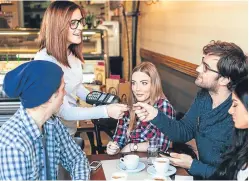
x=54 y=31
x=237 y=158
x=156 y=91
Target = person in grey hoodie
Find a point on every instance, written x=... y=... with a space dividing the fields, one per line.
x=207 y=120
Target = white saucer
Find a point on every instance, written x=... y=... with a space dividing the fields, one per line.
x=139 y=168
x=151 y=170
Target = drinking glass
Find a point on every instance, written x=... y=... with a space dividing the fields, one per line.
x=152 y=153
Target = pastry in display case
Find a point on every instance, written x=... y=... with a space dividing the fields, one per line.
x=18 y=46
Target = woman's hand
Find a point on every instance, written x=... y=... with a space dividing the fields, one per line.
x=116 y=111
x=112 y=148
x=144 y=111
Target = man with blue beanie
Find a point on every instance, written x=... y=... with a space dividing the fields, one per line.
x=34 y=141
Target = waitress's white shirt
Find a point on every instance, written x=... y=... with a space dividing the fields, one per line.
x=69 y=112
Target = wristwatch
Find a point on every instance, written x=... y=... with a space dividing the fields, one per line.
x=135 y=147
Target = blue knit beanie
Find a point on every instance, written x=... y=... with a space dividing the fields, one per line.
x=34 y=82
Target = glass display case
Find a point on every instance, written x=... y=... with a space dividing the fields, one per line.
x=18 y=46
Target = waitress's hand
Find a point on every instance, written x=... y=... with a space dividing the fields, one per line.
x=112 y=148
x=116 y=111
x=144 y=111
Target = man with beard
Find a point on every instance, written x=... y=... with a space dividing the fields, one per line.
x=207 y=120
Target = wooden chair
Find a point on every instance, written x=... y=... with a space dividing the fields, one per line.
x=107 y=125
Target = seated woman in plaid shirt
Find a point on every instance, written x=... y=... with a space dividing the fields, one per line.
x=131 y=134
x=34 y=141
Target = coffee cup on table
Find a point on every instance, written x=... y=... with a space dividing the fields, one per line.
x=130 y=161
x=161 y=165
x=119 y=176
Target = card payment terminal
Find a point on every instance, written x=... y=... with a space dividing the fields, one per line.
x=100 y=98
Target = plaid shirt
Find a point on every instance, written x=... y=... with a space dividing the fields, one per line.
x=21 y=150
x=144 y=131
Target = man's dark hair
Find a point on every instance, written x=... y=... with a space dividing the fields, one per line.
x=236 y=158
x=232 y=63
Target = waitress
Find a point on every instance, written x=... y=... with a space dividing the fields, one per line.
x=61 y=42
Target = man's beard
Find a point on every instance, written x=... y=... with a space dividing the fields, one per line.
x=213 y=87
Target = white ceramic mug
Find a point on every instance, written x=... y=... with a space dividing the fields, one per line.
x=161 y=165
x=130 y=161
x=119 y=176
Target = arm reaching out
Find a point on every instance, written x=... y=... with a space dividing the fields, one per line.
x=179 y=131
x=116 y=111
x=145 y=112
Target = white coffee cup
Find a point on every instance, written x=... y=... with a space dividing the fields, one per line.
x=130 y=161
x=161 y=165
x=119 y=176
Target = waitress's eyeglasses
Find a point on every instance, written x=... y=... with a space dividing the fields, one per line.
x=75 y=23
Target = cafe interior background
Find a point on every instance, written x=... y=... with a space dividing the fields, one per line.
x=118 y=36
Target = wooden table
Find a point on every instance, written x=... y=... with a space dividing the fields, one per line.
x=99 y=173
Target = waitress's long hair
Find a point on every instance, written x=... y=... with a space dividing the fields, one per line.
x=237 y=158
x=54 y=31
x=156 y=91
